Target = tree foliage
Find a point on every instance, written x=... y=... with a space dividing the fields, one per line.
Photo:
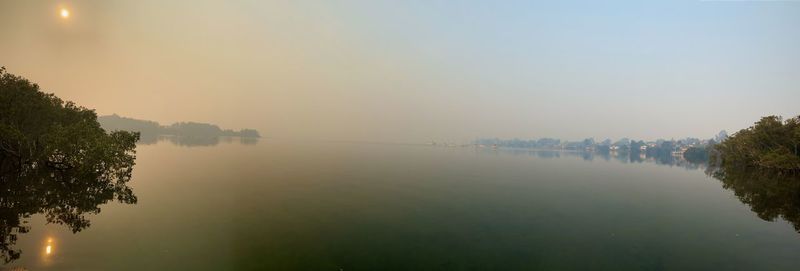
x=696 y=154
x=770 y=143
x=55 y=159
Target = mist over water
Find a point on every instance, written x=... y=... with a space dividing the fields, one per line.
x=321 y=205
x=399 y=135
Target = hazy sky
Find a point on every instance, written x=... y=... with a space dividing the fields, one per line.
x=414 y=71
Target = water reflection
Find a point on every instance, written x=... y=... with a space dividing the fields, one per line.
x=64 y=196
x=194 y=141
x=771 y=195
x=48 y=249
x=623 y=157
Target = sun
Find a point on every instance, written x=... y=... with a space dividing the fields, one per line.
x=64 y=13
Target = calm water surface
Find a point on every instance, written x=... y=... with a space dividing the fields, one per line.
x=284 y=205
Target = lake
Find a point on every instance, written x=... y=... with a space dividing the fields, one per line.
x=299 y=205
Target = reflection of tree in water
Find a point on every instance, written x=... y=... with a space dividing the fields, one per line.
x=769 y=194
x=191 y=141
x=63 y=196
x=196 y=141
x=240 y=140
x=248 y=140
x=147 y=139
x=624 y=157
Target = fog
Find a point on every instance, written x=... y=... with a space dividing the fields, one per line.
x=415 y=71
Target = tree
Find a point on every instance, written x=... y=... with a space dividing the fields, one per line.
x=770 y=143
x=55 y=159
x=696 y=154
x=249 y=133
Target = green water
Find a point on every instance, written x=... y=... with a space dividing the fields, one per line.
x=291 y=205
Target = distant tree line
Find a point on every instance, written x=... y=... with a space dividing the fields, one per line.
x=188 y=129
x=692 y=149
x=544 y=143
x=771 y=144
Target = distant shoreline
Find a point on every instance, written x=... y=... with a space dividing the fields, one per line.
x=185 y=129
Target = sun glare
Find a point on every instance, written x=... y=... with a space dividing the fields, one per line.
x=64 y=13
x=48 y=249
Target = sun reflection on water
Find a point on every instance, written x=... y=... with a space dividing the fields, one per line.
x=48 y=249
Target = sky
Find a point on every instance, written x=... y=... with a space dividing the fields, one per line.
x=416 y=71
